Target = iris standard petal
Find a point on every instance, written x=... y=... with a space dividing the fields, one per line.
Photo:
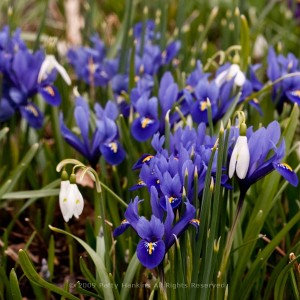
x=150 y=229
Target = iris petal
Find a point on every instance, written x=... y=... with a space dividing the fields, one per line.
x=113 y=153
x=150 y=254
x=120 y=229
x=286 y=171
x=143 y=128
x=50 y=94
x=32 y=114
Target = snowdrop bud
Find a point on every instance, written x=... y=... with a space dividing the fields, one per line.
x=240 y=158
x=260 y=47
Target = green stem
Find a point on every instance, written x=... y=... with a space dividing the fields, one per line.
x=230 y=237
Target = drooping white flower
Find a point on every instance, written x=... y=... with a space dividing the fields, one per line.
x=233 y=71
x=48 y=65
x=260 y=47
x=70 y=200
x=240 y=158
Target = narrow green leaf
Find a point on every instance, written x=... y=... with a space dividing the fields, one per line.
x=34 y=277
x=129 y=275
x=82 y=291
x=51 y=256
x=291 y=126
x=89 y=276
x=14 y=285
x=281 y=280
x=262 y=258
x=31 y=194
x=100 y=268
x=245 y=43
x=18 y=171
x=3 y=132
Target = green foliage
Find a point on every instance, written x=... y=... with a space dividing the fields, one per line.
x=240 y=251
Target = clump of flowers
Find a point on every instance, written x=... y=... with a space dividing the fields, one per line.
x=26 y=74
x=104 y=136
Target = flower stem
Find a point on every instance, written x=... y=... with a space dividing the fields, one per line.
x=230 y=237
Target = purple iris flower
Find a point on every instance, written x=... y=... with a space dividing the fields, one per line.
x=266 y=154
x=147 y=122
x=190 y=152
x=288 y=88
x=158 y=234
x=91 y=64
x=104 y=138
x=20 y=84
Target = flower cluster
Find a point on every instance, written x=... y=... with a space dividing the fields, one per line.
x=158 y=234
x=104 y=140
x=259 y=153
x=24 y=75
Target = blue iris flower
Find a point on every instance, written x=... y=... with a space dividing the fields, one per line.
x=20 y=83
x=147 y=122
x=158 y=234
x=104 y=138
x=171 y=173
x=288 y=88
x=266 y=154
x=91 y=64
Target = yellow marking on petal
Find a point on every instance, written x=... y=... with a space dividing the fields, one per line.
x=203 y=105
x=77 y=201
x=150 y=249
x=113 y=147
x=171 y=199
x=147 y=158
x=141 y=182
x=296 y=93
x=286 y=166
x=124 y=221
x=32 y=109
x=136 y=78
x=164 y=54
x=49 y=89
x=145 y=122
x=196 y=221
x=65 y=200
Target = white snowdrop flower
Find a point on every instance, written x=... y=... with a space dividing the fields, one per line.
x=233 y=71
x=240 y=158
x=260 y=47
x=48 y=65
x=70 y=199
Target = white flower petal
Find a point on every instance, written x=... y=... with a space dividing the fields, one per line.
x=243 y=161
x=64 y=187
x=232 y=163
x=78 y=204
x=240 y=79
x=48 y=65
x=220 y=79
x=240 y=158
